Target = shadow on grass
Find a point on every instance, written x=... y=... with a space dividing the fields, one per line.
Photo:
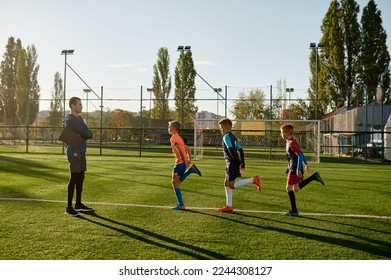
x=382 y=249
x=160 y=240
x=32 y=168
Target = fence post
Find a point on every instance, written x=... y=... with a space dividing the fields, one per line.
x=27 y=121
x=101 y=121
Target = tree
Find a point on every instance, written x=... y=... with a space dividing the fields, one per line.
x=250 y=106
x=56 y=104
x=161 y=85
x=7 y=82
x=26 y=83
x=331 y=63
x=374 y=57
x=185 y=81
x=352 y=36
x=299 y=111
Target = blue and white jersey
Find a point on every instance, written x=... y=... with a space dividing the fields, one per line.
x=233 y=151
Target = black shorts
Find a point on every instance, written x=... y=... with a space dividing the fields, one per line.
x=232 y=171
x=77 y=163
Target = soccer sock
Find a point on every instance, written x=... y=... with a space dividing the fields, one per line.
x=292 y=198
x=71 y=187
x=187 y=173
x=303 y=183
x=243 y=182
x=178 y=195
x=79 y=188
x=228 y=195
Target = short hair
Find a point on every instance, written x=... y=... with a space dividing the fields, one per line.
x=226 y=121
x=73 y=101
x=287 y=127
x=175 y=124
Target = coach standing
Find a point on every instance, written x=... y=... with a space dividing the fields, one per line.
x=77 y=156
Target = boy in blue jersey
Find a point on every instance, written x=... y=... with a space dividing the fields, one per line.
x=77 y=157
x=235 y=165
x=295 y=168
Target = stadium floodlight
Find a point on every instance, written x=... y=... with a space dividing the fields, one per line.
x=316 y=48
x=182 y=49
x=66 y=53
x=150 y=90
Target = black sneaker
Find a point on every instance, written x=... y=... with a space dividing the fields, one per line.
x=82 y=208
x=71 y=212
x=291 y=213
x=318 y=178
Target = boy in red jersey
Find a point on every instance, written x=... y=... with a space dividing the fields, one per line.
x=182 y=161
x=295 y=168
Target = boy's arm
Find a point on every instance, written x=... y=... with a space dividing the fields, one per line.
x=241 y=153
x=185 y=160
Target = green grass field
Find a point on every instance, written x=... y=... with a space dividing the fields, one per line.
x=348 y=219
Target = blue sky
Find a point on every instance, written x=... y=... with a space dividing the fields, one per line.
x=241 y=44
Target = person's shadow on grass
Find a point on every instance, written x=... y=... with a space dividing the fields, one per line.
x=148 y=237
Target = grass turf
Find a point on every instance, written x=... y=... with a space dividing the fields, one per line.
x=132 y=196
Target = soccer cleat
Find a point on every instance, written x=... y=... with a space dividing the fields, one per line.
x=82 y=208
x=196 y=170
x=179 y=207
x=291 y=213
x=257 y=181
x=71 y=212
x=226 y=209
x=318 y=178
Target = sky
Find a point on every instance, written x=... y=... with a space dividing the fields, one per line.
x=239 y=44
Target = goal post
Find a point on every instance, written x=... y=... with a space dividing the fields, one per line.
x=260 y=139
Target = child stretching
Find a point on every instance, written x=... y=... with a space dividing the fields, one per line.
x=182 y=161
x=234 y=158
x=295 y=171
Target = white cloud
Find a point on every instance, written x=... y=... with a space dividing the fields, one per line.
x=141 y=69
x=123 y=65
x=205 y=62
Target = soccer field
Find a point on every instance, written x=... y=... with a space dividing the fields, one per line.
x=348 y=219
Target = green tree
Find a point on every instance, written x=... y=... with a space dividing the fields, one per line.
x=185 y=79
x=250 y=106
x=332 y=60
x=374 y=58
x=26 y=84
x=7 y=83
x=161 y=85
x=352 y=36
x=56 y=103
x=299 y=111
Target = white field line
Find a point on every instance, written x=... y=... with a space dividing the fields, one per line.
x=198 y=208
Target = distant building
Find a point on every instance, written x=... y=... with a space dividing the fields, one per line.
x=354 y=131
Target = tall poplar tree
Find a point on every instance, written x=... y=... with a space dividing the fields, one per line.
x=26 y=84
x=7 y=83
x=331 y=61
x=352 y=36
x=161 y=85
x=56 y=103
x=185 y=76
x=374 y=58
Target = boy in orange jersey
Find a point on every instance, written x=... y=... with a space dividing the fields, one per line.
x=182 y=161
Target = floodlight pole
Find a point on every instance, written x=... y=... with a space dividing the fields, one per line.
x=182 y=49
x=87 y=90
x=316 y=48
x=66 y=53
x=289 y=90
